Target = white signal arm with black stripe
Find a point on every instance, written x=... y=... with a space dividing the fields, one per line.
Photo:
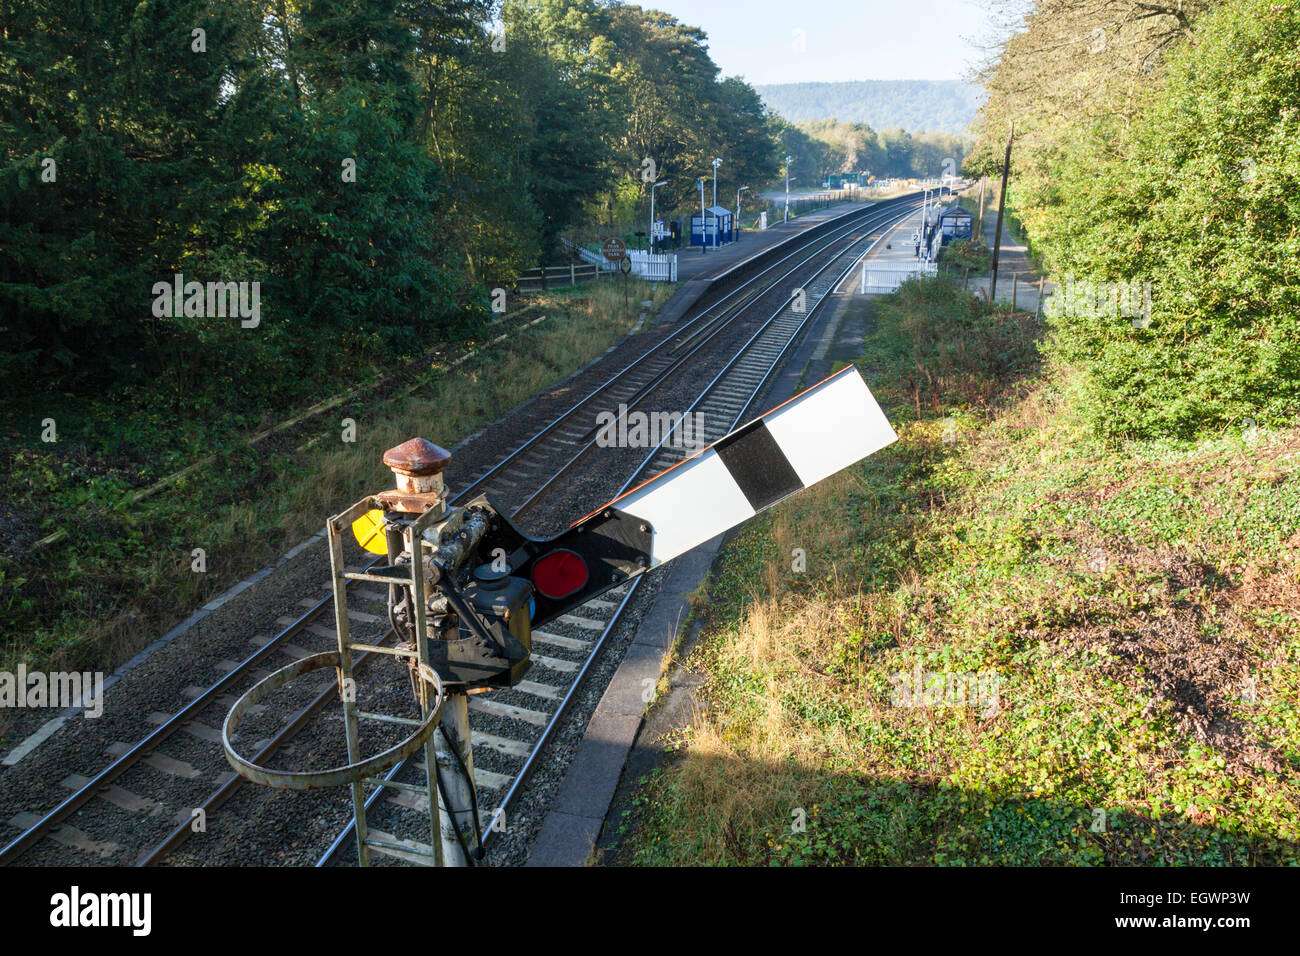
x=813 y=435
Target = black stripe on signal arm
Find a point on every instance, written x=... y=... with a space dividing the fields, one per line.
x=758 y=465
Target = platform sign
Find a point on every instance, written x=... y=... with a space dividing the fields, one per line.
x=613 y=249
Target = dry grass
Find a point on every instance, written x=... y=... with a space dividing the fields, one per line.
x=458 y=402
x=150 y=594
x=1120 y=678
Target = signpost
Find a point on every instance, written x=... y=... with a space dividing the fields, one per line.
x=615 y=250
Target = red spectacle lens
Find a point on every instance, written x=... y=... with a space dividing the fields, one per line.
x=559 y=574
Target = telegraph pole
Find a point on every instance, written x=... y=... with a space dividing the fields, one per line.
x=1002 y=202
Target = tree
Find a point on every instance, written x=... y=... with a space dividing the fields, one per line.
x=124 y=126
x=1202 y=205
x=475 y=124
x=567 y=53
x=671 y=116
x=1174 y=186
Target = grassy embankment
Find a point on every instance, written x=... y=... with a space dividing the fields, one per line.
x=1105 y=636
x=125 y=574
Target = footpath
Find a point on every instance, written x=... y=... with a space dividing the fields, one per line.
x=1018 y=283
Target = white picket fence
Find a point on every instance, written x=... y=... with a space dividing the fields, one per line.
x=586 y=255
x=656 y=267
x=888 y=276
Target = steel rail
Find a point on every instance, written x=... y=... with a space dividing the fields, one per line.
x=703 y=315
x=526 y=771
x=840 y=278
x=39 y=830
x=520 y=779
x=744 y=348
x=223 y=793
x=867 y=220
x=870 y=221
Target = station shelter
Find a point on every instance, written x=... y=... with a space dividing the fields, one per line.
x=715 y=228
x=955 y=222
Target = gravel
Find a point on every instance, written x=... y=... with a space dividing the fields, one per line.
x=260 y=826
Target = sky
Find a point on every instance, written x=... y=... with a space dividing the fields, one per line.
x=840 y=39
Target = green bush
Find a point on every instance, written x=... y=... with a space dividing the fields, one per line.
x=944 y=349
x=968 y=253
x=1204 y=205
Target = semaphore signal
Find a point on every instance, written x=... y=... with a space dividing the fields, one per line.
x=467 y=588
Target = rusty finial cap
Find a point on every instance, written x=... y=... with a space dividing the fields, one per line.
x=417 y=458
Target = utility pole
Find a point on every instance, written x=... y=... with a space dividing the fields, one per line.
x=1002 y=202
x=736 y=227
x=979 y=226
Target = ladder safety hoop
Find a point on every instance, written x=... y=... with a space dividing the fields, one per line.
x=336 y=776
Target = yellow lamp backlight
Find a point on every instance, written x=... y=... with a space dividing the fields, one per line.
x=369 y=532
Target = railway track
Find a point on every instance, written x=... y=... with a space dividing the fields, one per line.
x=145 y=802
x=505 y=764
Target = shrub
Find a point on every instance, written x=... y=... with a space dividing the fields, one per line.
x=1204 y=204
x=970 y=253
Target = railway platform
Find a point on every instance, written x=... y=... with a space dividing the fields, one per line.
x=695 y=270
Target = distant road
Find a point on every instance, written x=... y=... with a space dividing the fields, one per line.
x=794 y=193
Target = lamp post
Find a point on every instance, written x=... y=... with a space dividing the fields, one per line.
x=787 y=187
x=925 y=221
x=652 y=213
x=716 y=163
x=704 y=247
x=737 y=224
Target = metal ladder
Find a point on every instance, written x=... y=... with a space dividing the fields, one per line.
x=429 y=685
